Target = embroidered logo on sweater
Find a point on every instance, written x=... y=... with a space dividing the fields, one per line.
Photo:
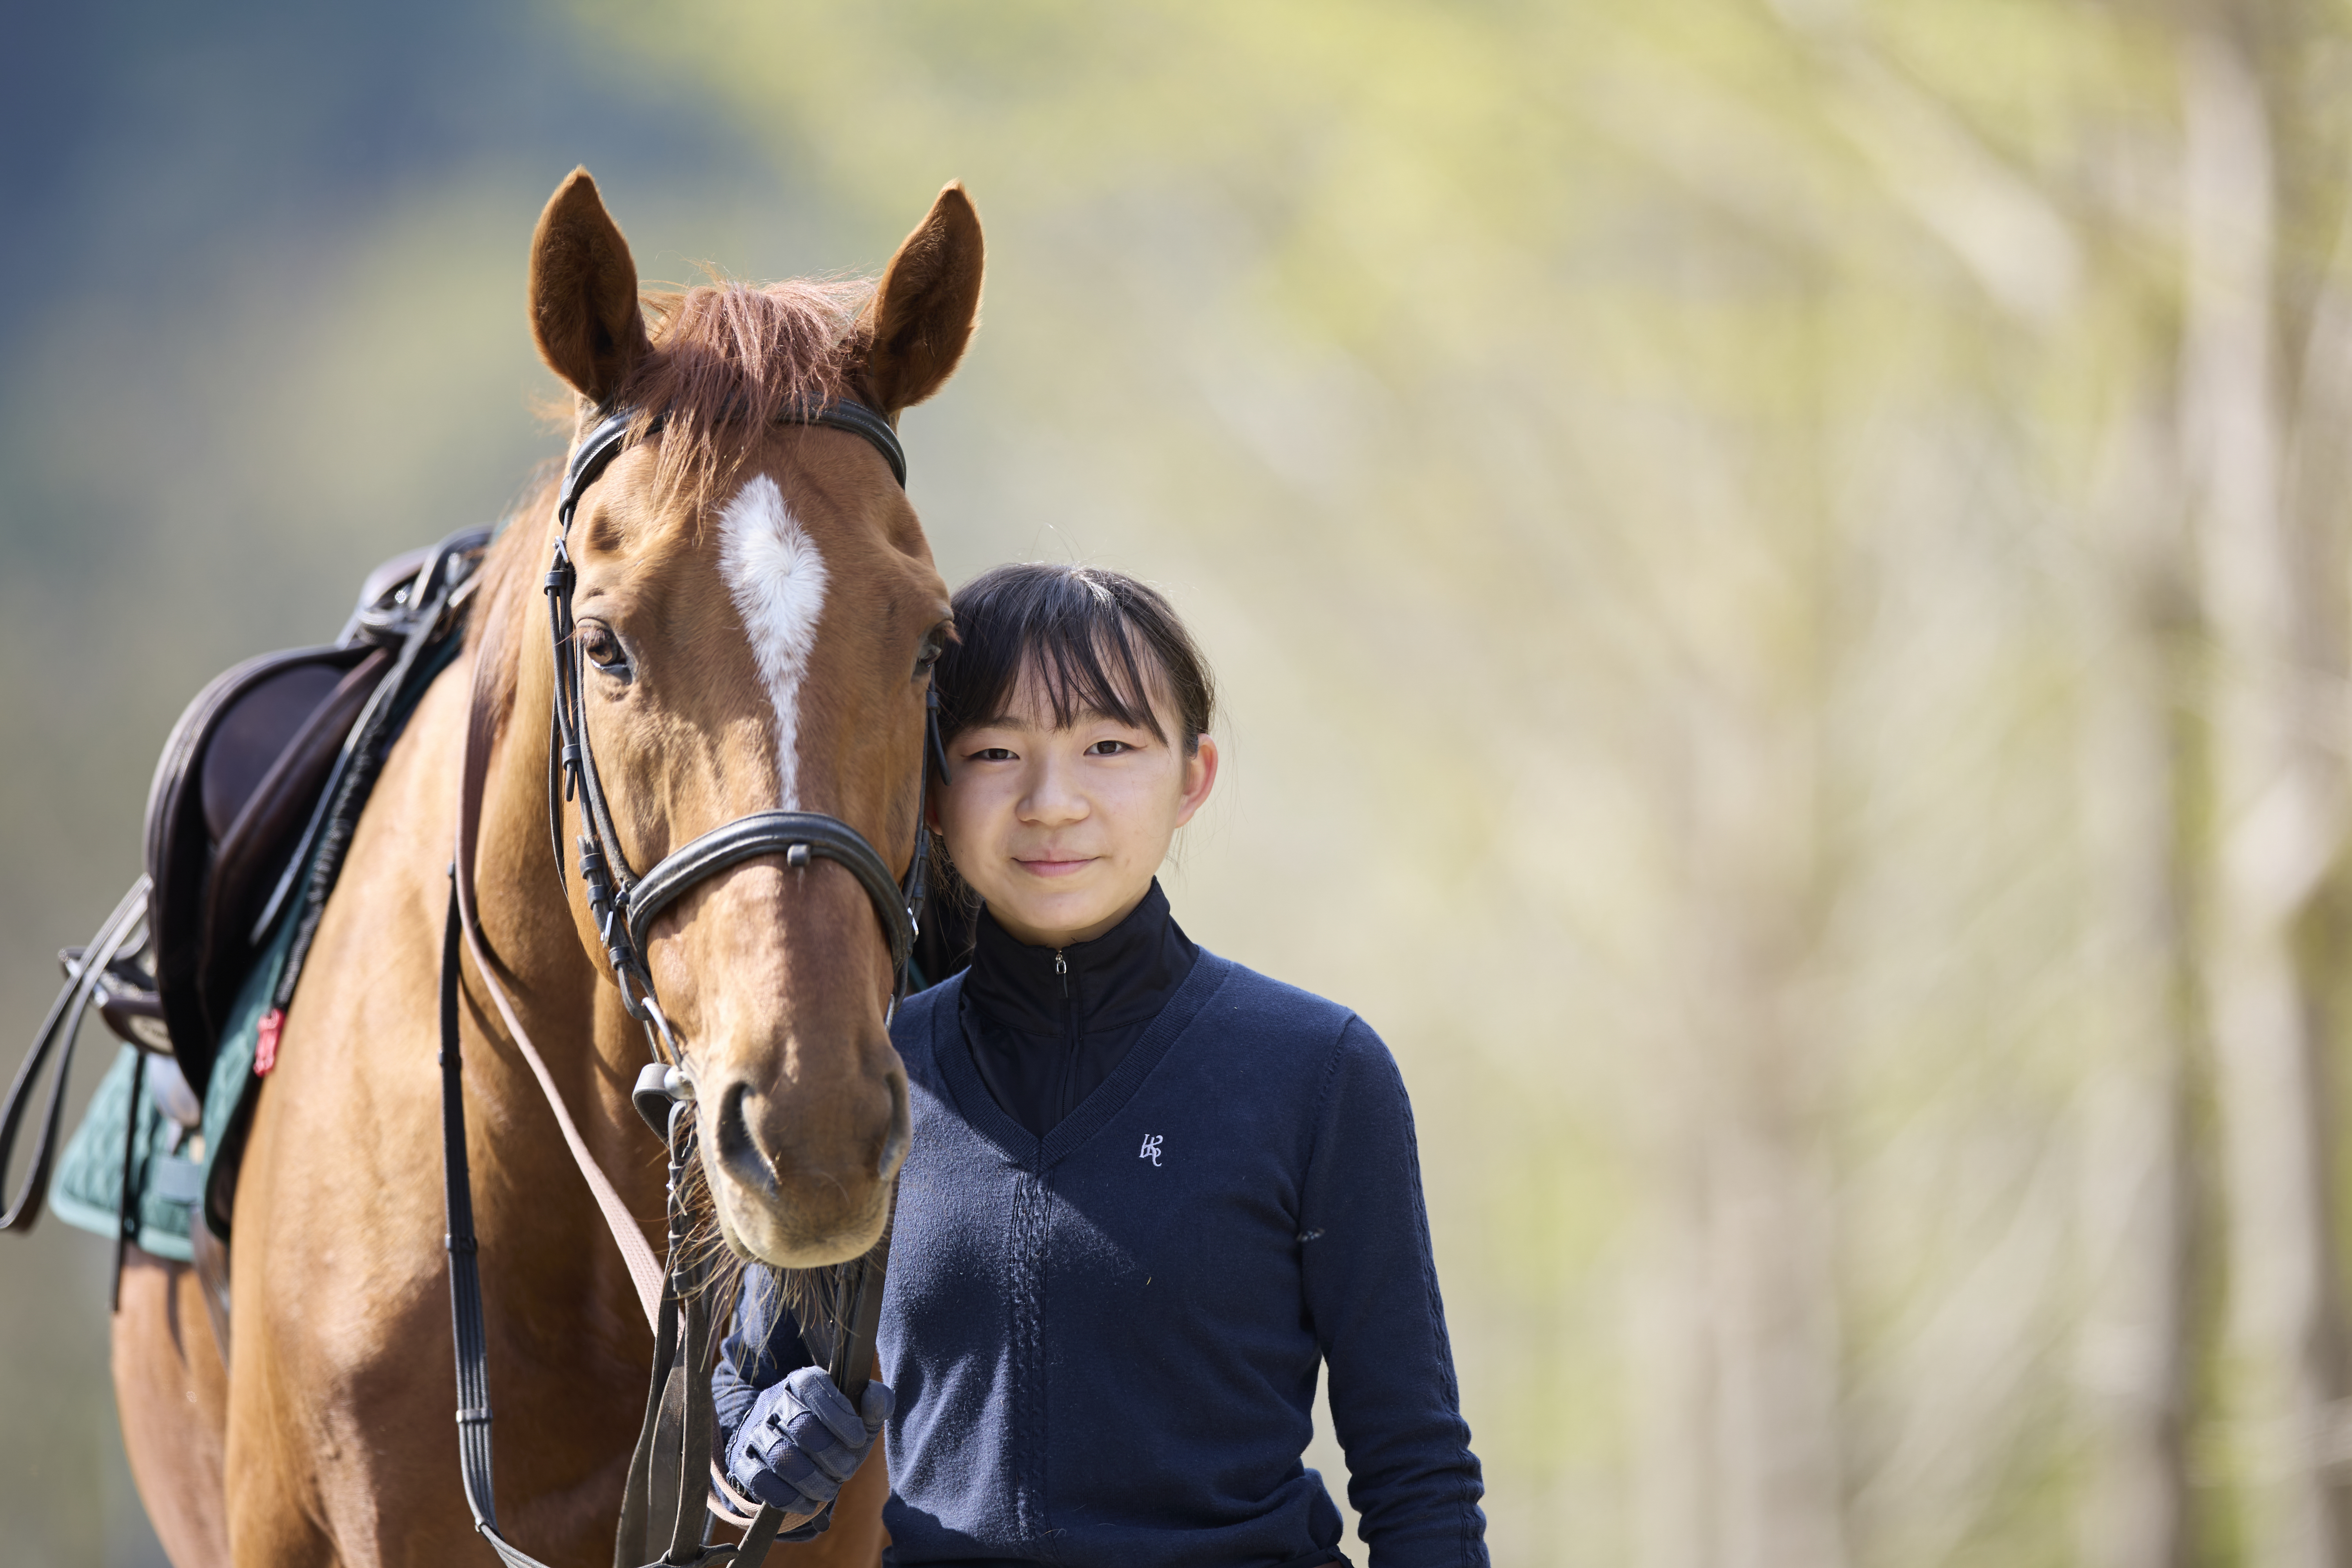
x=1150 y=1148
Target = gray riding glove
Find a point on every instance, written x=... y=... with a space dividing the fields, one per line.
x=802 y=1440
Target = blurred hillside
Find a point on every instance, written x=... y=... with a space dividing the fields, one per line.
x=1779 y=571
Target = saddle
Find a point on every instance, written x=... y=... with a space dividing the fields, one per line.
x=249 y=812
x=238 y=795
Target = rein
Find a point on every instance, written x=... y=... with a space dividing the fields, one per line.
x=665 y=1508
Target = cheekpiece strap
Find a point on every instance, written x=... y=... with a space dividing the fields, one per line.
x=591 y=458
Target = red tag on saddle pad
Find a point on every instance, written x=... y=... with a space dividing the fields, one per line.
x=264 y=1044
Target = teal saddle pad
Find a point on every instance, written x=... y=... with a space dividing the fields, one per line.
x=170 y=1181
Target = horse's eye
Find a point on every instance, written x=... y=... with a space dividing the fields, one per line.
x=604 y=649
x=929 y=655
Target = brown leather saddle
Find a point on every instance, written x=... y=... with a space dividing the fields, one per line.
x=236 y=797
x=241 y=799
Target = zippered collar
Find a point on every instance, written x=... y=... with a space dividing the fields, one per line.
x=1118 y=981
x=962 y=1080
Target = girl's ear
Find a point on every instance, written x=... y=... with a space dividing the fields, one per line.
x=1200 y=778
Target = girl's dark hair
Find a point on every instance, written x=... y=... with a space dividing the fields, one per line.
x=1098 y=640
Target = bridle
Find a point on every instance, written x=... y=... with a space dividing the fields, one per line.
x=664 y=1505
x=624 y=904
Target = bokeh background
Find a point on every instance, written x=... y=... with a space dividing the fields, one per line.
x=1782 y=573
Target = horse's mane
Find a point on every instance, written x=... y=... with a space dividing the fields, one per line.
x=735 y=353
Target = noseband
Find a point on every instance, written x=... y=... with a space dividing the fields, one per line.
x=624 y=904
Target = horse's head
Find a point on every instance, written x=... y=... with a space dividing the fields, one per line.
x=757 y=612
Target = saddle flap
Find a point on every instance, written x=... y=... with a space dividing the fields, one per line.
x=252 y=733
x=252 y=850
x=217 y=763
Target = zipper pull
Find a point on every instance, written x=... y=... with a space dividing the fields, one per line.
x=1062 y=968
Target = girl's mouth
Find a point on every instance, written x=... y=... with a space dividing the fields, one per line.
x=1054 y=867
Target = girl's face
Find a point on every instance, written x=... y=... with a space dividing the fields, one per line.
x=1062 y=830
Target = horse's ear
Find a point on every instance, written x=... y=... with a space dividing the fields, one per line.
x=583 y=292
x=924 y=313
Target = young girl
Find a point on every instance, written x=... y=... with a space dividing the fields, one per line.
x=1151 y=1193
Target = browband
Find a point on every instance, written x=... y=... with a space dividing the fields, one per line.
x=603 y=444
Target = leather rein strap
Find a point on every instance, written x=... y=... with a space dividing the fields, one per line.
x=664 y=1478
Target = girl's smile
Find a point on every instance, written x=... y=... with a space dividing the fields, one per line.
x=1053 y=867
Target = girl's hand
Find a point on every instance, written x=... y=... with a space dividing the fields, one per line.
x=802 y=1440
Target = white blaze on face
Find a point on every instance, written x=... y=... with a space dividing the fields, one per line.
x=777 y=579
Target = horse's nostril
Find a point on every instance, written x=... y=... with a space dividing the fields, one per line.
x=731 y=1129
x=774 y=1151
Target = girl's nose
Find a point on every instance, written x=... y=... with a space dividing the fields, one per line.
x=1051 y=799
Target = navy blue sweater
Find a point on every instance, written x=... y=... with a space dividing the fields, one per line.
x=1105 y=1342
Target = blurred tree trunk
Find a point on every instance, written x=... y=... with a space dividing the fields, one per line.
x=1736 y=1454
x=2274 y=815
x=2135 y=1203
x=1670 y=1350
x=1739 y=1462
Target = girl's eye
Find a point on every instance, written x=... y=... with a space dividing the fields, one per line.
x=991 y=755
x=1108 y=748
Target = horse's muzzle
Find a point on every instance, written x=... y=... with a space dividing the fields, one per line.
x=801 y=1183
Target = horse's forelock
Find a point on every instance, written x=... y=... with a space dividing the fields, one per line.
x=731 y=354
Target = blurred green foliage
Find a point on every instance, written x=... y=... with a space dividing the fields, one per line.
x=1707 y=515
x=1722 y=523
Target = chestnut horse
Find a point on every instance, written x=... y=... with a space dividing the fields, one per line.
x=758 y=607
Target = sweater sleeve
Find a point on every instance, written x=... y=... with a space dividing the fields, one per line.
x=1372 y=1300
x=762 y=1344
